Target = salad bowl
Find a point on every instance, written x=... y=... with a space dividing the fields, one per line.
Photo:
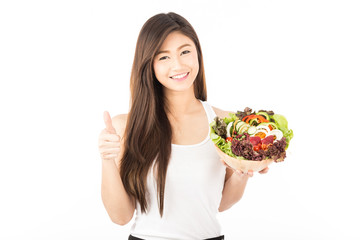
x=243 y=164
x=249 y=140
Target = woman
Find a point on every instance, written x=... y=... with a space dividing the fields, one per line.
x=158 y=159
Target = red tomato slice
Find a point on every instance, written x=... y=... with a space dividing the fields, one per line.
x=257 y=148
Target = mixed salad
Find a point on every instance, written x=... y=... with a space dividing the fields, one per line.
x=250 y=135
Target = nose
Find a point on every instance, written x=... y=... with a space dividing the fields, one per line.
x=176 y=63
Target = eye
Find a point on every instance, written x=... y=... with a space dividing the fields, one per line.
x=163 y=58
x=185 y=52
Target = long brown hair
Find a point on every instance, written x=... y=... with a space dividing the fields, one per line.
x=148 y=134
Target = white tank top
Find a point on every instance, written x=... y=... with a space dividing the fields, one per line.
x=193 y=190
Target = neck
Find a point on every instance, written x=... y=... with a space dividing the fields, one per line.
x=181 y=103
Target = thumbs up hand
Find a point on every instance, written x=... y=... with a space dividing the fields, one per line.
x=109 y=140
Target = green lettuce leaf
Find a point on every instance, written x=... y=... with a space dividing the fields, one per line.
x=232 y=117
x=221 y=143
x=282 y=125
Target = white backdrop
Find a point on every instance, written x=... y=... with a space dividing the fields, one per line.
x=62 y=63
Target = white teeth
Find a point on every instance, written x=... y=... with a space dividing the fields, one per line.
x=179 y=76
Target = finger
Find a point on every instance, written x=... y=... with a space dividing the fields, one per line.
x=109 y=137
x=110 y=157
x=106 y=151
x=108 y=122
x=107 y=154
x=249 y=173
x=107 y=145
x=265 y=170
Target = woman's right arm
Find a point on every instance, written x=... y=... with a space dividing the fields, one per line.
x=118 y=204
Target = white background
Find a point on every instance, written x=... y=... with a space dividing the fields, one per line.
x=62 y=63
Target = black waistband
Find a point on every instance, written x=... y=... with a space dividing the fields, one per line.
x=222 y=237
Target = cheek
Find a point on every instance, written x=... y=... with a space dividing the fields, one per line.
x=195 y=64
x=159 y=70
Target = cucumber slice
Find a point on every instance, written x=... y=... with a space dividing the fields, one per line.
x=238 y=125
x=243 y=128
x=252 y=130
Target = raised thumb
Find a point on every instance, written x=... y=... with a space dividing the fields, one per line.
x=108 y=122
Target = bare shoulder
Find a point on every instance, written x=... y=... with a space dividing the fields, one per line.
x=119 y=123
x=221 y=113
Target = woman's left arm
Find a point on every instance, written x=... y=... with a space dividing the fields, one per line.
x=235 y=181
x=234 y=187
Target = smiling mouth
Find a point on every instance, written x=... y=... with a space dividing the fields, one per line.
x=180 y=76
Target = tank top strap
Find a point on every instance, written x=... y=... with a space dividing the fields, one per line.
x=210 y=113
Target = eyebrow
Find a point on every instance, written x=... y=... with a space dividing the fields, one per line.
x=166 y=51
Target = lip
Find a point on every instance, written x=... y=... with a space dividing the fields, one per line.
x=180 y=79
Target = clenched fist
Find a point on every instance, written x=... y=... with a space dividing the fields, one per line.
x=109 y=140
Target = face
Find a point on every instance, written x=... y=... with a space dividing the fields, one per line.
x=176 y=64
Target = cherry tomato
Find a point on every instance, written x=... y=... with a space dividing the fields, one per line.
x=257 y=148
x=229 y=139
